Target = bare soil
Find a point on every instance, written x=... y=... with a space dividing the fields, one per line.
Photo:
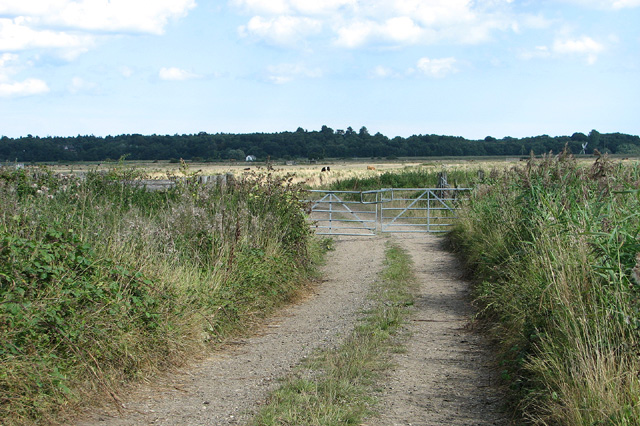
x=445 y=376
x=448 y=374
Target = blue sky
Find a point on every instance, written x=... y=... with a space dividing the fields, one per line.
x=399 y=67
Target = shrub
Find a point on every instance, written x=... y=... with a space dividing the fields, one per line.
x=103 y=282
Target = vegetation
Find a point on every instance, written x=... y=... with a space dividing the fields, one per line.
x=554 y=246
x=409 y=177
x=103 y=282
x=325 y=143
x=334 y=387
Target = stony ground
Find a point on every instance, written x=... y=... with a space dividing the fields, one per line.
x=445 y=376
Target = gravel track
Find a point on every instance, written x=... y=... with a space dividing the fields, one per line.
x=230 y=386
x=445 y=377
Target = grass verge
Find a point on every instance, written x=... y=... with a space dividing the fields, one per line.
x=554 y=246
x=335 y=386
x=103 y=283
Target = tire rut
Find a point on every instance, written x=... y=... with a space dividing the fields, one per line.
x=229 y=387
x=447 y=374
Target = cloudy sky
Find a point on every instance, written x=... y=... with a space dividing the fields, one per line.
x=399 y=67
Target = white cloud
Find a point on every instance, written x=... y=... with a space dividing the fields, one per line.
x=402 y=29
x=287 y=7
x=283 y=30
x=398 y=30
x=19 y=34
x=437 y=67
x=538 y=22
x=382 y=72
x=176 y=74
x=113 y=16
x=356 y=33
x=621 y=4
x=605 y=4
x=30 y=86
x=79 y=85
x=126 y=71
x=567 y=47
x=69 y=28
x=537 y=52
x=284 y=73
x=352 y=23
x=7 y=58
x=437 y=12
x=582 y=46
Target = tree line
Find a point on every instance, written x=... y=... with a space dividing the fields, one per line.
x=317 y=144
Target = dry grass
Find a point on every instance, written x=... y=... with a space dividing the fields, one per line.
x=308 y=174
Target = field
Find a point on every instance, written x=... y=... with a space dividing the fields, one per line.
x=103 y=283
x=306 y=174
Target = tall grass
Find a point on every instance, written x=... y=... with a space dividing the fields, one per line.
x=553 y=245
x=409 y=177
x=103 y=282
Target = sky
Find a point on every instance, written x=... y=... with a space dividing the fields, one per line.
x=399 y=67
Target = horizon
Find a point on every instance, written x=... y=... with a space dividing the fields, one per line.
x=306 y=130
x=499 y=68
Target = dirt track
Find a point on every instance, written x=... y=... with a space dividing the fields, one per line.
x=444 y=378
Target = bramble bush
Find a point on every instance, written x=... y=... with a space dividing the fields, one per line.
x=103 y=282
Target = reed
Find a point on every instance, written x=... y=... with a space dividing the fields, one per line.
x=553 y=247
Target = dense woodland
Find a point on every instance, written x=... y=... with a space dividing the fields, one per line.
x=325 y=143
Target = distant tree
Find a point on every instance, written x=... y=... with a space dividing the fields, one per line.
x=326 y=130
x=628 y=149
x=579 y=137
x=236 y=154
x=594 y=138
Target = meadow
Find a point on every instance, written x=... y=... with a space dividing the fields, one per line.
x=303 y=172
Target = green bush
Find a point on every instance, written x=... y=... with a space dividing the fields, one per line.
x=103 y=282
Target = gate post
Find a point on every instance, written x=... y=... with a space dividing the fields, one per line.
x=429 y=211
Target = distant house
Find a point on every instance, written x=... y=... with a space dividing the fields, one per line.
x=250 y=158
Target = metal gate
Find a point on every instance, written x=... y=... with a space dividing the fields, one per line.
x=408 y=210
x=344 y=212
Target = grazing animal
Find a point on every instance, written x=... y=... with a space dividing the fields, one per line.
x=328 y=168
x=324 y=169
x=370 y=168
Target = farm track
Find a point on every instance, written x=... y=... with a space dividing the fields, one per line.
x=445 y=377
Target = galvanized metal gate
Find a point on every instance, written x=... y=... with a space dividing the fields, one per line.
x=408 y=210
x=344 y=212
